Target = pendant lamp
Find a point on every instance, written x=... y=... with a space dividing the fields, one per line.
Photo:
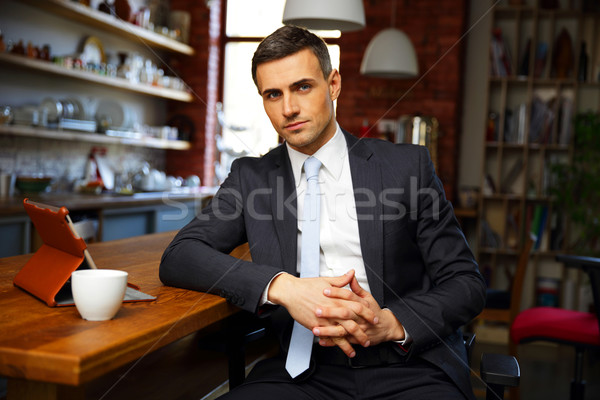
x=342 y=15
x=390 y=54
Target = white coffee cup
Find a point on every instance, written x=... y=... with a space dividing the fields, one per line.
x=98 y=293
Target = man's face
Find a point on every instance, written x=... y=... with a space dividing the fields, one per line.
x=299 y=100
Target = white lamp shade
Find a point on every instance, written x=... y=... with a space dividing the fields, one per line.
x=342 y=15
x=390 y=54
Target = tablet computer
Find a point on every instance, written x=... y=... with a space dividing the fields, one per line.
x=47 y=274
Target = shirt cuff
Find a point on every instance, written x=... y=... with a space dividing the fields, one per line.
x=265 y=295
x=406 y=341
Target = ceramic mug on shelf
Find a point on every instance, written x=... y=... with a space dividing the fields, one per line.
x=98 y=293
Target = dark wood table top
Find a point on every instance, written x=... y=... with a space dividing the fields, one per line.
x=56 y=345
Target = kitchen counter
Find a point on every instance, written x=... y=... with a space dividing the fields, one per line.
x=78 y=201
x=111 y=216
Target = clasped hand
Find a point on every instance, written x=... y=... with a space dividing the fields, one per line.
x=338 y=316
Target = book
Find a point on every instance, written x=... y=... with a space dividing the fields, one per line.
x=540 y=122
x=511 y=175
x=523 y=71
x=489 y=238
x=565 y=116
x=521 y=125
x=541 y=229
x=500 y=56
x=538 y=224
x=509 y=126
x=540 y=60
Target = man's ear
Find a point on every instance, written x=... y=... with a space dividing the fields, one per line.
x=335 y=84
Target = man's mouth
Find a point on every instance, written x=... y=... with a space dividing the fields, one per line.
x=295 y=125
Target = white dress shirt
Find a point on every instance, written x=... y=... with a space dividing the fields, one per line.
x=339 y=237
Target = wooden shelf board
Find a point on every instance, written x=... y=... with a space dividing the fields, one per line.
x=518 y=80
x=559 y=13
x=530 y=146
x=554 y=82
x=88 y=16
x=509 y=11
x=30 y=131
x=514 y=146
x=538 y=199
x=496 y=145
x=502 y=196
x=553 y=147
x=465 y=212
x=120 y=83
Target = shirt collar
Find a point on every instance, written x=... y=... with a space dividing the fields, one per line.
x=332 y=155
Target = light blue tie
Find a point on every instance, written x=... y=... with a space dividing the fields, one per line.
x=298 y=358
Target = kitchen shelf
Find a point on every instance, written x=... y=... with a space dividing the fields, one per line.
x=86 y=15
x=30 y=131
x=119 y=83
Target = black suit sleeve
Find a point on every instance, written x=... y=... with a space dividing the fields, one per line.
x=198 y=257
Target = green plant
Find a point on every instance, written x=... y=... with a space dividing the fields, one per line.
x=576 y=187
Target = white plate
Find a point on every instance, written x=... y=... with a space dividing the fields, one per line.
x=112 y=112
x=93 y=51
x=78 y=110
x=53 y=107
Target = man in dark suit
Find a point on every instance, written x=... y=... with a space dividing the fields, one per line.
x=396 y=277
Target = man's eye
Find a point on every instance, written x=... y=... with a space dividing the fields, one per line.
x=305 y=86
x=272 y=95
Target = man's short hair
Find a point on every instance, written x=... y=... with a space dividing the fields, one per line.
x=289 y=40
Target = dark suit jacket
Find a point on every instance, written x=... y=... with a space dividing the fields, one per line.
x=417 y=261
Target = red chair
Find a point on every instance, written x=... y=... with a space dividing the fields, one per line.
x=578 y=329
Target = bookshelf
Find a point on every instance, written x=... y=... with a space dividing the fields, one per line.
x=537 y=83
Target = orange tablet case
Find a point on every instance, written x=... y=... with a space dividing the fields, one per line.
x=47 y=273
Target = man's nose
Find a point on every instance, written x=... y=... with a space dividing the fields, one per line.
x=290 y=106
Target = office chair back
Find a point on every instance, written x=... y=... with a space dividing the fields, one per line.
x=578 y=329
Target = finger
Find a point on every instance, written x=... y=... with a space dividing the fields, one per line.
x=331 y=327
x=328 y=342
x=356 y=288
x=344 y=329
x=340 y=293
x=345 y=346
x=342 y=280
x=332 y=331
x=350 y=311
x=355 y=331
x=344 y=294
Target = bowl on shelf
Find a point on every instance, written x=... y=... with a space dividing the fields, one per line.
x=30 y=184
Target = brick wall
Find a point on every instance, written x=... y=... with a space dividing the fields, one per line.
x=435 y=29
x=195 y=71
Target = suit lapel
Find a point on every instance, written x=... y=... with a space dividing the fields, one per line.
x=283 y=208
x=366 y=178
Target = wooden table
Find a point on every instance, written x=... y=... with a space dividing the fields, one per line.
x=49 y=353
